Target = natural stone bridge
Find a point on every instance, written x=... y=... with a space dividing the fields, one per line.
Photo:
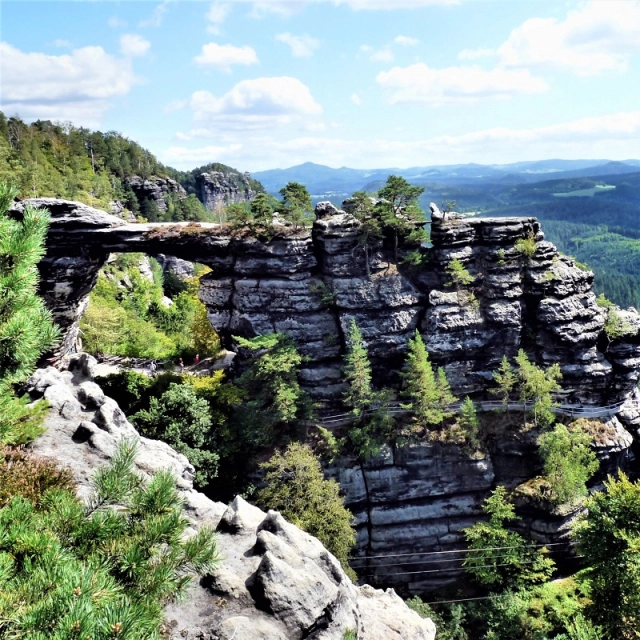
x=312 y=284
x=415 y=499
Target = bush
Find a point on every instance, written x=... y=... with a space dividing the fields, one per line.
x=102 y=570
x=24 y=474
x=181 y=419
x=526 y=246
x=296 y=487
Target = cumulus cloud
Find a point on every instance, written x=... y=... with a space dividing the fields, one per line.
x=75 y=86
x=133 y=45
x=257 y=103
x=216 y=15
x=418 y=83
x=406 y=41
x=223 y=56
x=601 y=36
x=301 y=46
x=613 y=136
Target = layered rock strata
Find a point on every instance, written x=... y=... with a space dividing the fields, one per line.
x=311 y=285
x=217 y=189
x=155 y=189
x=273 y=581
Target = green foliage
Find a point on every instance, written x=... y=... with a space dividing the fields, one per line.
x=502 y=559
x=449 y=623
x=604 y=302
x=536 y=388
x=29 y=476
x=568 y=462
x=549 y=610
x=399 y=212
x=458 y=274
x=273 y=393
x=26 y=328
x=370 y=229
x=429 y=392
x=181 y=419
x=357 y=373
x=526 y=246
x=616 y=327
x=297 y=489
x=608 y=534
x=296 y=203
x=506 y=379
x=350 y=634
x=469 y=422
x=103 y=571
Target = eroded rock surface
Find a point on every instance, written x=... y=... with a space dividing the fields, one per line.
x=273 y=582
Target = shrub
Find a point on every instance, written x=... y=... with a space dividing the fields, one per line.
x=526 y=246
x=296 y=487
x=616 y=327
x=102 y=570
x=24 y=474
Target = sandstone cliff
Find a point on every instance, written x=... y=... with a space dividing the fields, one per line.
x=311 y=284
x=274 y=582
x=217 y=189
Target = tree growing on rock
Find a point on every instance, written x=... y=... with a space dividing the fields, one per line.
x=362 y=207
x=26 y=327
x=357 y=373
x=296 y=487
x=429 y=393
x=536 y=388
x=506 y=379
x=399 y=211
x=296 y=203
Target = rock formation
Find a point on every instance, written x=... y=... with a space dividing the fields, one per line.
x=155 y=189
x=310 y=285
x=217 y=189
x=274 y=582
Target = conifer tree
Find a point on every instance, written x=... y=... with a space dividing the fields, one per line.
x=469 y=421
x=297 y=203
x=506 y=380
x=370 y=223
x=357 y=373
x=536 y=386
x=26 y=328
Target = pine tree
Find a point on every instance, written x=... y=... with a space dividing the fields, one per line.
x=357 y=373
x=536 y=386
x=506 y=380
x=297 y=203
x=26 y=328
x=421 y=385
x=469 y=421
x=370 y=224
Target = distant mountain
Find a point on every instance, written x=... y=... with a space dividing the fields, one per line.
x=327 y=182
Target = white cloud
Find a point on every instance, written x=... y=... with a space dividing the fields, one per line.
x=133 y=45
x=601 y=36
x=255 y=104
x=287 y=8
x=223 y=56
x=116 y=23
x=301 y=46
x=476 y=54
x=216 y=15
x=406 y=41
x=393 y=4
x=355 y=98
x=383 y=55
x=614 y=136
x=76 y=86
x=62 y=44
x=419 y=83
x=157 y=16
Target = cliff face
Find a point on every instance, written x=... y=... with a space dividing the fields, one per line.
x=274 y=582
x=310 y=285
x=155 y=189
x=217 y=189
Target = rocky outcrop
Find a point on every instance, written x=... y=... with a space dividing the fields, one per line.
x=155 y=189
x=183 y=269
x=217 y=189
x=273 y=581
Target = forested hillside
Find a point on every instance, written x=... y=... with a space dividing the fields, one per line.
x=104 y=170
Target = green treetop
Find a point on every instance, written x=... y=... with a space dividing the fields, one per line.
x=370 y=229
x=297 y=203
x=499 y=558
x=357 y=373
x=296 y=487
x=399 y=211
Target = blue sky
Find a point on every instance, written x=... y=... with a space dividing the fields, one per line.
x=359 y=83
